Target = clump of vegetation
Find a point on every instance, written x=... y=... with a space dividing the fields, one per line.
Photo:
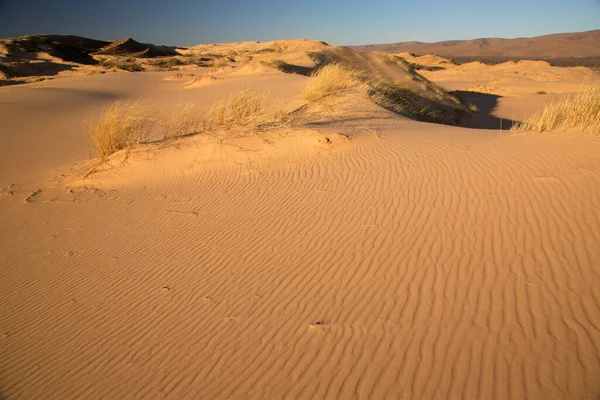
x=579 y=110
x=201 y=60
x=272 y=49
x=126 y=64
x=120 y=127
x=167 y=63
x=417 y=67
x=335 y=78
x=124 y=125
x=180 y=122
x=246 y=109
x=429 y=67
x=328 y=80
x=541 y=92
x=399 y=99
x=219 y=63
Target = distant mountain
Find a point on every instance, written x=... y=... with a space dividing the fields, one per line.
x=582 y=45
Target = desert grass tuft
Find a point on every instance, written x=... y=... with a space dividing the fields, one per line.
x=579 y=110
x=328 y=80
x=400 y=99
x=218 y=64
x=246 y=109
x=182 y=121
x=119 y=127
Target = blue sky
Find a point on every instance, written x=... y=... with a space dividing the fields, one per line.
x=189 y=22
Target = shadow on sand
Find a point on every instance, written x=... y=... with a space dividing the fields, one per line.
x=486 y=104
x=43 y=68
x=293 y=69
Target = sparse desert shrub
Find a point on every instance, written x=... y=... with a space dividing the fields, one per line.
x=120 y=127
x=334 y=78
x=578 y=110
x=219 y=63
x=131 y=67
x=272 y=49
x=418 y=67
x=167 y=63
x=246 y=109
x=128 y=64
x=401 y=62
x=399 y=99
x=196 y=59
x=415 y=66
x=184 y=120
x=434 y=68
x=328 y=80
x=541 y=92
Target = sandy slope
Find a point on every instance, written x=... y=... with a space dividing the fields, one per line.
x=411 y=261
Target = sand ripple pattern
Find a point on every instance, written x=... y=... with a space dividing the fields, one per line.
x=421 y=265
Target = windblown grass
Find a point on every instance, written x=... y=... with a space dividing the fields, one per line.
x=402 y=100
x=398 y=99
x=246 y=109
x=218 y=64
x=328 y=80
x=332 y=79
x=579 y=110
x=126 y=64
x=180 y=122
x=120 y=127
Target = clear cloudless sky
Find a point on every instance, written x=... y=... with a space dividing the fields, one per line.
x=341 y=22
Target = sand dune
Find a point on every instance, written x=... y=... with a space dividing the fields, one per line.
x=40 y=57
x=378 y=258
x=130 y=47
x=509 y=78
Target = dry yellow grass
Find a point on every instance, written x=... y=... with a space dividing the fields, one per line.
x=182 y=121
x=120 y=127
x=579 y=110
x=218 y=64
x=329 y=80
x=245 y=109
x=124 y=125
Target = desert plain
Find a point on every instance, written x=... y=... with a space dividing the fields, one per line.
x=388 y=236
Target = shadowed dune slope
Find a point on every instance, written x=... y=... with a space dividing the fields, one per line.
x=65 y=47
